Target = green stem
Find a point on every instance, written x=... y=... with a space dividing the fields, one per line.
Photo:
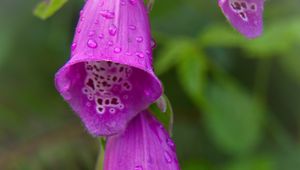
x=100 y=159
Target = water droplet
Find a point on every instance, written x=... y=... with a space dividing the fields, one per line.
x=123 y=2
x=73 y=46
x=138 y=167
x=82 y=19
x=107 y=14
x=128 y=53
x=112 y=30
x=117 y=50
x=110 y=43
x=132 y=27
x=148 y=52
x=81 y=13
x=92 y=43
x=78 y=30
x=168 y=157
x=153 y=43
x=101 y=36
x=170 y=143
x=91 y=33
x=139 y=39
x=139 y=54
x=132 y=2
x=97 y=22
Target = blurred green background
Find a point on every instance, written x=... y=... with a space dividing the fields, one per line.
x=236 y=101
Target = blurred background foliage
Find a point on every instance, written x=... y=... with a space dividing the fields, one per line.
x=236 y=101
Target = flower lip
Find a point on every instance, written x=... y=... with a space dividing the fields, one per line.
x=245 y=15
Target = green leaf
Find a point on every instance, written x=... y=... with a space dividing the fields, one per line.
x=163 y=111
x=47 y=8
x=192 y=73
x=170 y=55
x=260 y=162
x=233 y=117
x=290 y=63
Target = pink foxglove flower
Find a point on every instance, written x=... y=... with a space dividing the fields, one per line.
x=245 y=15
x=109 y=78
x=145 y=145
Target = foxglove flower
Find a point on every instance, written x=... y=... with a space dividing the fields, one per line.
x=109 y=78
x=145 y=145
x=245 y=15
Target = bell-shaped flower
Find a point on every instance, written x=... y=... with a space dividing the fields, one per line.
x=109 y=78
x=245 y=15
x=144 y=145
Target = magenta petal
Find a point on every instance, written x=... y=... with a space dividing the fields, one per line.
x=245 y=15
x=109 y=78
x=145 y=145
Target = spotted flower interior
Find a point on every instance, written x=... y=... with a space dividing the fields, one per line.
x=106 y=94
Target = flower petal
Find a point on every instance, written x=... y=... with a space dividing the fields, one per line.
x=145 y=145
x=245 y=15
x=109 y=78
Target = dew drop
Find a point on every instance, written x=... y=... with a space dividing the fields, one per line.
x=110 y=43
x=132 y=2
x=91 y=33
x=92 y=43
x=139 y=39
x=132 y=27
x=139 y=54
x=101 y=36
x=123 y=2
x=73 y=46
x=81 y=13
x=117 y=50
x=153 y=43
x=168 y=157
x=112 y=30
x=171 y=143
x=138 y=167
x=128 y=53
x=107 y=14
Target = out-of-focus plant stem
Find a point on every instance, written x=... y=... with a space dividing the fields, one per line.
x=100 y=159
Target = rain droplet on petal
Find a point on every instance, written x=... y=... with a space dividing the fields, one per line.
x=73 y=46
x=139 y=39
x=153 y=43
x=91 y=33
x=139 y=54
x=138 y=167
x=132 y=27
x=117 y=50
x=168 y=157
x=132 y=2
x=101 y=36
x=92 y=43
x=107 y=14
x=112 y=30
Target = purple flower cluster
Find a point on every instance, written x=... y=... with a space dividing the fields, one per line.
x=109 y=80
